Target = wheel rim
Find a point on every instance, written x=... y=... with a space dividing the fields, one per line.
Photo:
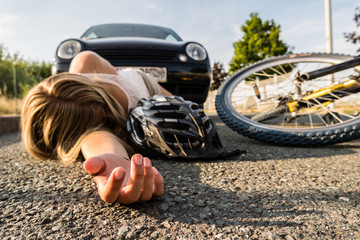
x=274 y=83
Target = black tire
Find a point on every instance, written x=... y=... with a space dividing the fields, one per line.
x=237 y=115
x=269 y=114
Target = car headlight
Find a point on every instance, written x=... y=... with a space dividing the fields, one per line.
x=69 y=49
x=196 y=51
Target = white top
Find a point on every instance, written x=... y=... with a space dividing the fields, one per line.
x=129 y=81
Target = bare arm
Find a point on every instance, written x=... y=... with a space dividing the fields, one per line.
x=100 y=143
x=119 y=179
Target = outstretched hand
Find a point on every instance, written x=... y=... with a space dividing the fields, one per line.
x=123 y=181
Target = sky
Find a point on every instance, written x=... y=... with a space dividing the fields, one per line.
x=34 y=28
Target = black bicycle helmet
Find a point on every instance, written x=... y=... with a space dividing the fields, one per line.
x=172 y=127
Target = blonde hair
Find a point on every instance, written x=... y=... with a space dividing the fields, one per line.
x=62 y=110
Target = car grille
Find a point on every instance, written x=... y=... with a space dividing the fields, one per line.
x=152 y=55
x=189 y=89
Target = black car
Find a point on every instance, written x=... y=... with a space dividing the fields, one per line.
x=181 y=67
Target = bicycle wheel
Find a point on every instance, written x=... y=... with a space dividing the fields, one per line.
x=255 y=102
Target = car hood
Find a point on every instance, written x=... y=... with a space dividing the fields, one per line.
x=131 y=43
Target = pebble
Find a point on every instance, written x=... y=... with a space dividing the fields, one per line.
x=166 y=224
x=269 y=236
x=219 y=236
x=345 y=199
x=289 y=237
x=201 y=203
x=164 y=206
x=123 y=230
x=56 y=228
x=178 y=199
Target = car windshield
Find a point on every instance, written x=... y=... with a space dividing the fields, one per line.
x=130 y=30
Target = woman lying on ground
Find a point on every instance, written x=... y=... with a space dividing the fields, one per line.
x=83 y=114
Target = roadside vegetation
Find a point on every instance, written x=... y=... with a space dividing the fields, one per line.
x=17 y=77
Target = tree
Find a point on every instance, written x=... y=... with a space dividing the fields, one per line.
x=353 y=37
x=6 y=72
x=261 y=40
x=218 y=76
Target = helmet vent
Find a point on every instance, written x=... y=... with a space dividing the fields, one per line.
x=174 y=115
x=194 y=107
x=165 y=107
x=174 y=125
x=138 y=131
x=169 y=137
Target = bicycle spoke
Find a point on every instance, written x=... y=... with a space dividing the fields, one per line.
x=262 y=74
x=275 y=70
x=327 y=110
x=310 y=117
x=283 y=70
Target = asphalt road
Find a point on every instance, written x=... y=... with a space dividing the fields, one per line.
x=272 y=192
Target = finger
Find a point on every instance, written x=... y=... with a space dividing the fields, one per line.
x=111 y=190
x=158 y=183
x=132 y=191
x=147 y=190
x=94 y=165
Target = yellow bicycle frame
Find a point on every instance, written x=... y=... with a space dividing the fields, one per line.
x=294 y=105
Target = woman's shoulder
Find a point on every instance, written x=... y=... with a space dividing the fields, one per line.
x=129 y=74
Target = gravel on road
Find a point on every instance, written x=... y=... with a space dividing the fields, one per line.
x=272 y=192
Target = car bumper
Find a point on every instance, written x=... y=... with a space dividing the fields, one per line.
x=191 y=81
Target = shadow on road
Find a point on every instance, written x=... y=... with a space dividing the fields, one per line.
x=9 y=138
x=190 y=200
x=261 y=151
